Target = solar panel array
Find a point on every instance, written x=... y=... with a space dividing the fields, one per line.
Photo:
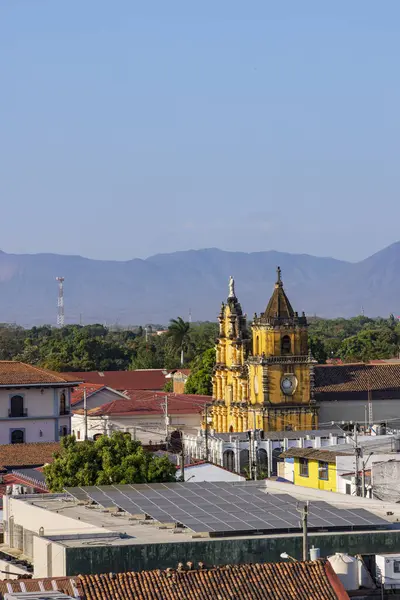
x=223 y=508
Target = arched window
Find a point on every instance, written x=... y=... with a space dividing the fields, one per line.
x=97 y=436
x=229 y=460
x=63 y=404
x=262 y=459
x=63 y=430
x=276 y=458
x=286 y=345
x=17 y=406
x=18 y=436
x=244 y=462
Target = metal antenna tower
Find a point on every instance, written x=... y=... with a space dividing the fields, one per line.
x=60 y=303
x=190 y=315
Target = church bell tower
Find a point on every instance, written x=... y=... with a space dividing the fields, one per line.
x=281 y=367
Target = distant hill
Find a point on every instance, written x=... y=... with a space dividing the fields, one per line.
x=168 y=285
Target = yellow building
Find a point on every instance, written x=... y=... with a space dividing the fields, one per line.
x=265 y=383
x=313 y=468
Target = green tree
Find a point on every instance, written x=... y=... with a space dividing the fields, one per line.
x=318 y=349
x=370 y=344
x=106 y=461
x=200 y=378
x=179 y=332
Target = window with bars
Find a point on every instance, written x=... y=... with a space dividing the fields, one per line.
x=323 y=470
x=303 y=462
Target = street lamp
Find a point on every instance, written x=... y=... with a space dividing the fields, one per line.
x=287 y=556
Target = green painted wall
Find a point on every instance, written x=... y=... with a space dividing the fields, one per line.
x=117 y=559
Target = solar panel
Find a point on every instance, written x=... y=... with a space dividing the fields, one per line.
x=223 y=508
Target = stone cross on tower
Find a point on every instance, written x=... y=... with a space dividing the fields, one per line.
x=278 y=276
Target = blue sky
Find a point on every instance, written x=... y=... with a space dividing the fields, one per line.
x=131 y=128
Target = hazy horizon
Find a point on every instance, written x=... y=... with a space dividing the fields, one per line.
x=299 y=253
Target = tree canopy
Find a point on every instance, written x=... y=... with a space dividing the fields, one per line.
x=106 y=461
x=200 y=378
x=99 y=348
x=179 y=332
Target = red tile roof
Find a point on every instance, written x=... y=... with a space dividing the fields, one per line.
x=15 y=373
x=27 y=455
x=62 y=584
x=148 y=379
x=11 y=478
x=354 y=380
x=270 y=581
x=78 y=392
x=150 y=403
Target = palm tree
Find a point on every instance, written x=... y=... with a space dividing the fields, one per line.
x=179 y=332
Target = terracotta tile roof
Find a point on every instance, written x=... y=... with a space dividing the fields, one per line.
x=62 y=584
x=27 y=455
x=333 y=381
x=14 y=477
x=78 y=392
x=314 y=454
x=149 y=379
x=151 y=403
x=271 y=581
x=18 y=373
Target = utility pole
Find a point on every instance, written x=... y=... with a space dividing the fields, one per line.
x=254 y=448
x=304 y=522
x=370 y=413
x=182 y=461
x=85 y=414
x=358 y=454
x=206 y=430
x=165 y=406
x=363 y=480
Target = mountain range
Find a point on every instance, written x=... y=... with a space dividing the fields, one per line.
x=165 y=286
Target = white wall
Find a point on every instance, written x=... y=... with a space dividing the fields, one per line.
x=49 y=558
x=143 y=428
x=35 y=430
x=354 y=410
x=33 y=518
x=43 y=420
x=99 y=398
x=347 y=464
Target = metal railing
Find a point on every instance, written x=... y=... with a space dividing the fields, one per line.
x=16 y=414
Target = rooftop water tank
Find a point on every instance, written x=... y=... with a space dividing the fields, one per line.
x=346 y=568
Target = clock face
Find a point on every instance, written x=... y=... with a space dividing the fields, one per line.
x=288 y=384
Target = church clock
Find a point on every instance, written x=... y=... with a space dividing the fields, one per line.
x=289 y=384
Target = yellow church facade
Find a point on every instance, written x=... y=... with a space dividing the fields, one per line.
x=264 y=381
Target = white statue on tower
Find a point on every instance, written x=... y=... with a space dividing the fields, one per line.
x=231 y=287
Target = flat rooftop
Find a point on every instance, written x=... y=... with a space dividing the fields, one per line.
x=112 y=527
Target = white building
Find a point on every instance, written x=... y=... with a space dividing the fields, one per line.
x=35 y=404
x=146 y=415
x=233 y=451
x=207 y=472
